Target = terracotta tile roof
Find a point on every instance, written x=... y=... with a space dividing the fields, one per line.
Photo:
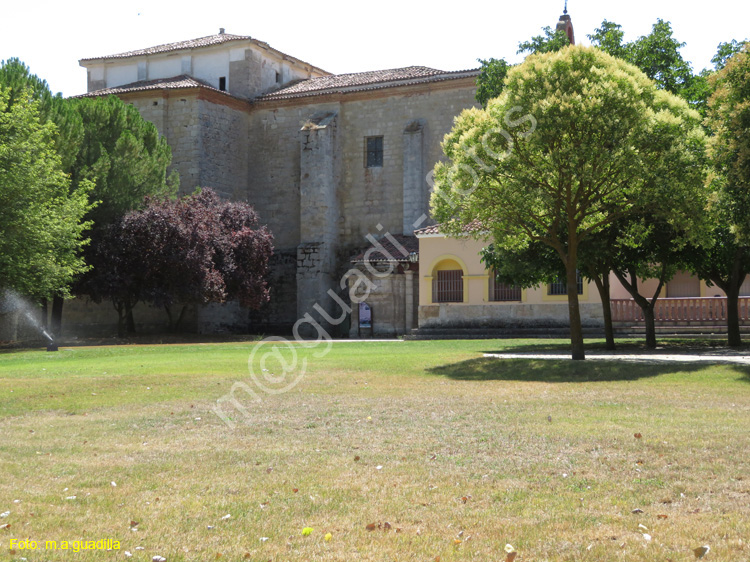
x=371 y=80
x=190 y=44
x=207 y=41
x=176 y=83
x=387 y=251
x=473 y=226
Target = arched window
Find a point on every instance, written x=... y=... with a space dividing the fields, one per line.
x=448 y=282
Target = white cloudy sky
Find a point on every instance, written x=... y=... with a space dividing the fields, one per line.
x=50 y=36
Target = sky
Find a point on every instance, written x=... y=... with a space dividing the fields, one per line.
x=338 y=36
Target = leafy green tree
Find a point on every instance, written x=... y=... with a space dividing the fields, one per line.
x=17 y=78
x=725 y=51
x=123 y=155
x=549 y=42
x=650 y=246
x=658 y=56
x=577 y=140
x=490 y=79
x=41 y=227
x=724 y=263
x=727 y=262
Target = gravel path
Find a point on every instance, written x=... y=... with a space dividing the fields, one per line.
x=722 y=356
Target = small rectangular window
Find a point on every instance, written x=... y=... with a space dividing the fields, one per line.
x=560 y=287
x=278 y=77
x=374 y=152
x=223 y=83
x=500 y=292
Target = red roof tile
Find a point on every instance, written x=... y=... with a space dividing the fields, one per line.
x=473 y=226
x=177 y=83
x=371 y=80
x=387 y=251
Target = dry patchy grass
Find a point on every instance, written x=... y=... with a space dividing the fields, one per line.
x=455 y=452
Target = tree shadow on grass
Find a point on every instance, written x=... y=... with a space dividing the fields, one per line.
x=564 y=371
x=685 y=344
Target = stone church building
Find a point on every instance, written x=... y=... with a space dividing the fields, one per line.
x=326 y=160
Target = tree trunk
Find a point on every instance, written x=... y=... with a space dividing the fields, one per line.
x=178 y=324
x=734 y=339
x=130 y=322
x=170 y=324
x=631 y=285
x=576 y=331
x=120 y=308
x=602 y=285
x=56 y=320
x=648 y=318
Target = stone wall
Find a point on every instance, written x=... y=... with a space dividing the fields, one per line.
x=84 y=318
x=506 y=315
x=223 y=148
x=177 y=118
x=302 y=165
x=292 y=198
x=392 y=296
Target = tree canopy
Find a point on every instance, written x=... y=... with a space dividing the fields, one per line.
x=41 y=227
x=174 y=253
x=725 y=262
x=123 y=155
x=577 y=140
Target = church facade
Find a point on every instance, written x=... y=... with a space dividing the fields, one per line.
x=330 y=162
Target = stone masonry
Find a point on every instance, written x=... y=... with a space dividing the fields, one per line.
x=296 y=151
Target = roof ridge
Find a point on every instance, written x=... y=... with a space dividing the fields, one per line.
x=339 y=82
x=157 y=83
x=207 y=40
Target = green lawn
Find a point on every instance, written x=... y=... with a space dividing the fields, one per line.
x=458 y=454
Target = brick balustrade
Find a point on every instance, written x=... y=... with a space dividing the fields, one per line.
x=687 y=309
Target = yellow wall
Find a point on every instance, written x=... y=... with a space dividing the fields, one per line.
x=437 y=252
x=648 y=286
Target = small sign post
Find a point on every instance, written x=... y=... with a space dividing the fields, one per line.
x=365 y=316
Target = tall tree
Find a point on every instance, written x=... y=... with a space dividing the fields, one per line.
x=490 y=80
x=123 y=155
x=127 y=160
x=176 y=253
x=658 y=56
x=727 y=262
x=41 y=227
x=593 y=141
x=549 y=42
x=651 y=246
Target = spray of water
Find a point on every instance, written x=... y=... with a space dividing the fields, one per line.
x=10 y=301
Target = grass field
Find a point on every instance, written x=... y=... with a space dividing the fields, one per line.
x=450 y=455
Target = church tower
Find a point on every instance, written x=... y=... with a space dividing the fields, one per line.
x=566 y=25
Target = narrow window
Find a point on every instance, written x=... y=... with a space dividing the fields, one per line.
x=560 y=287
x=223 y=83
x=500 y=292
x=448 y=286
x=374 y=152
x=278 y=77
